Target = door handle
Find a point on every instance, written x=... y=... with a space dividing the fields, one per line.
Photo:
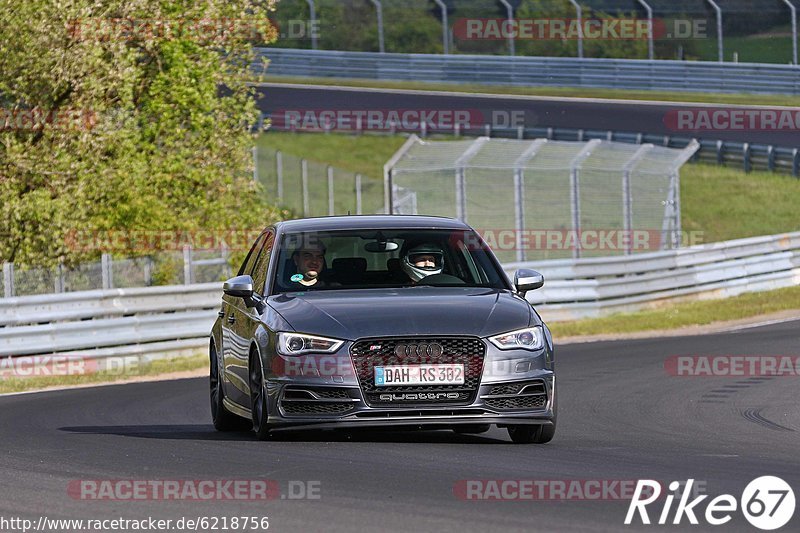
x=231 y=319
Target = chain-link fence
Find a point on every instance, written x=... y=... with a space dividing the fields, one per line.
x=720 y=30
x=546 y=199
x=311 y=189
x=162 y=268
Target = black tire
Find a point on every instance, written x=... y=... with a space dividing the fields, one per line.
x=258 y=398
x=223 y=419
x=473 y=429
x=539 y=434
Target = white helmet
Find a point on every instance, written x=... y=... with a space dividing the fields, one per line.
x=417 y=273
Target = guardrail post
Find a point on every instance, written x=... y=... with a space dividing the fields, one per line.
x=8 y=280
x=746 y=157
x=188 y=271
x=279 y=172
x=331 y=207
x=304 y=179
x=796 y=163
x=358 y=194
x=720 y=149
x=106 y=272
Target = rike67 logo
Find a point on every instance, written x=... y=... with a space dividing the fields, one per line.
x=767 y=503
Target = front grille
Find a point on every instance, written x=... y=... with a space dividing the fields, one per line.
x=309 y=401
x=316 y=408
x=369 y=353
x=520 y=395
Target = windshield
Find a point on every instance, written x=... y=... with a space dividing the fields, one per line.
x=384 y=259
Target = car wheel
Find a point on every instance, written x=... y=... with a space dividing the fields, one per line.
x=472 y=429
x=258 y=398
x=223 y=419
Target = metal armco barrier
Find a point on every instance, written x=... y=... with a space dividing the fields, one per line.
x=159 y=320
x=631 y=74
x=592 y=287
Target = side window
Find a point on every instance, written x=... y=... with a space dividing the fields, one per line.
x=247 y=266
x=262 y=264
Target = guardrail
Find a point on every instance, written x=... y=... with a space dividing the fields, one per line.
x=592 y=287
x=174 y=319
x=631 y=74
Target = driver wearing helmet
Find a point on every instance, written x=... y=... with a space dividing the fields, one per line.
x=422 y=261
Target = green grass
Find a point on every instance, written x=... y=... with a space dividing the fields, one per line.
x=614 y=94
x=154 y=368
x=751 y=49
x=684 y=314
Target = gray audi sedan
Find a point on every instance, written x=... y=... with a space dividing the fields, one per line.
x=380 y=321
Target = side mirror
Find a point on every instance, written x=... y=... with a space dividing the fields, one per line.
x=527 y=280
x=239 y=287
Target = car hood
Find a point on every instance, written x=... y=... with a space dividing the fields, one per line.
x=353 y=314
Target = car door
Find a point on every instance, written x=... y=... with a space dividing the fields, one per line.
x=250 y=319
x=234 y=344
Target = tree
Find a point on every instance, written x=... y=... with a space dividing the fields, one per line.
x=125 y=115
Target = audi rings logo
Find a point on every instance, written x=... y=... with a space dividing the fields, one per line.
x=433 y=349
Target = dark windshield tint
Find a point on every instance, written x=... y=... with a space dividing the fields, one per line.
x=384 y=259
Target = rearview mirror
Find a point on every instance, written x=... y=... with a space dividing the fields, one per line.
x=239 y=287
x=381 y=247
x=527 y=280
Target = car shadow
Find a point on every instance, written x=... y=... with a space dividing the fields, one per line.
x=201 y=432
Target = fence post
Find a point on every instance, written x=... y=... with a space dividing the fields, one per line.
x=106 y=272
x=720 y=48
x=226 y=268
x=188 y=273
x=575 y=192
x=59 y=281
x=312 y=15
x=650 y=48
x=255 y=164
x=579 y=12
x=8 y=280
x=379 y=9
x=148 y=271
x=627 y=195
x=746 y=156
x=510 y=18
x=279 y=172
x=445 y=27
x=304 y=177
x=358 y=194
x=331 y=207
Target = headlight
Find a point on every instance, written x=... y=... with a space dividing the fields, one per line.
x=527 y=339
x=298 y=344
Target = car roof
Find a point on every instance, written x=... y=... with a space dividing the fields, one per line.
x=359 y=222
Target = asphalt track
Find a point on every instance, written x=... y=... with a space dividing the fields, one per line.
x=573 y=113
x=622 y=417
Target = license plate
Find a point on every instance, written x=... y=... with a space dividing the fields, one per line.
x=419 y=375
